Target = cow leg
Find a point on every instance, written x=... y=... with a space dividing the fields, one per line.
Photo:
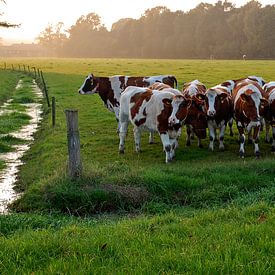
x=250 y=138
x=188 y=135
x=192 y=136
x=174 y=145
x=167 y=146
x=273 y=141
x=267 y=130
x=256 y=141
x=137 y=135
x=212 y=132
x=230 y=124
x=151 y=137
x=117 y=119
x=221 y=137
x=242 y=141
x=122 y=136
x=199 y=143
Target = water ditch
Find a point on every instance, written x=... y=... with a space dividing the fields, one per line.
x=13 y=160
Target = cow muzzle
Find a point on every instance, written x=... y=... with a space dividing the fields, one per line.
x=172 y=121
x=211 y=113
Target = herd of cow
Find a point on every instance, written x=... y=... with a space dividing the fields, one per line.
x=154 y=104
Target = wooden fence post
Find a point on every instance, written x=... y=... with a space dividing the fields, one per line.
x=53 y=111
x=34 y=69
x=45 y=89
x=29 y=70
x=75 y=166
x=5 y=66
x=12 y=67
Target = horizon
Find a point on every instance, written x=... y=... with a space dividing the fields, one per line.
x=28 y=31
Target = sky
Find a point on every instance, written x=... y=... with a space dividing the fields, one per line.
x=35 y=15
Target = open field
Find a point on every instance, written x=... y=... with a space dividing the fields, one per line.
x=207 y=212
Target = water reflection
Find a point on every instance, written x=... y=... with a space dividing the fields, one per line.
x=13 y=159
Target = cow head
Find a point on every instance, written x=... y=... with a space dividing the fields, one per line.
x=89 y=86
x=180 y=108
x=213 y=101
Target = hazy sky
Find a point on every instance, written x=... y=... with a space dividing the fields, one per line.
x=35 y=15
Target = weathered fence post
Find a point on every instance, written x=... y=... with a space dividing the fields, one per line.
x=34 y=69
x=53 y=111
x=75 y=166
x=5 y=66
x=12 y=67
x=24 y=68
x=29 y=70
x=45 y=89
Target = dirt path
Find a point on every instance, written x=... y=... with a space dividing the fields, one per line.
x=12 y=159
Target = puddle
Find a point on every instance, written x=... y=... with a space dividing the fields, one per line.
x=13 y=159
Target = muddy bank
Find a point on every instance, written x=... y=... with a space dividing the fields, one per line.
x=12 y=159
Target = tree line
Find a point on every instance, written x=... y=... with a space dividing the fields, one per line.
x=219 y=30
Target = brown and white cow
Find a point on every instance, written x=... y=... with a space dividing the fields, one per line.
x=196 y=122
x=249 y=108
x=269 y=89
x=219 y=111
x=153 y=110
x=110 y=88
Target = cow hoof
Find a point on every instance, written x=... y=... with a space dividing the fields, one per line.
x=151 y=142
x=121 y=151
x=221 y=149
x=241 y=154
x=211 y=149
x=257 y=154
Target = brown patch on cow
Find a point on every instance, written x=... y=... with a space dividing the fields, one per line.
x=159 y=86
x=136 y=81
x=171 y=81
x=162 y=118
x=138 y=100
x=269 y=90
x=226 y=84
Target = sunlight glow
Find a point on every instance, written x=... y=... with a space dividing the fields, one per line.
x=34 y=16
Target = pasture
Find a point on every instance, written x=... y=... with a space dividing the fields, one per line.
x=207 y=212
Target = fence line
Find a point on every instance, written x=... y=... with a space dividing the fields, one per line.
x=36 y=73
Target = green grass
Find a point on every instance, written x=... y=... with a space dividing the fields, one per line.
x=222 y=241
x=205 y=213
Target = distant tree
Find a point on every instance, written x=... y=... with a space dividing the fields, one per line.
x=88 y=37
x=53 y=38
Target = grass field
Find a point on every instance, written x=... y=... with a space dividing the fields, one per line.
x=207 y=212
